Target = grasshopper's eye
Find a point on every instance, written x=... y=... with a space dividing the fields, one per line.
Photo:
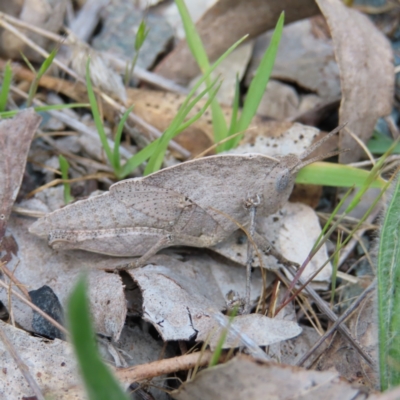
x=282 y=180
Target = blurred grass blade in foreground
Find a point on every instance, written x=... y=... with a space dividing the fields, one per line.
x=99 y=381
x=388 y=270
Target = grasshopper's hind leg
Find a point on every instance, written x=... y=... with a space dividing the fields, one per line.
x=142 y=260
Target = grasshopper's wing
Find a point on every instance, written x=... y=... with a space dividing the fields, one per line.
x=179 y=211
x=159 y=203
x=219 y=185
x=122 y=207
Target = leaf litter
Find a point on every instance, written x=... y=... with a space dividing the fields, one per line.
x=184 y=294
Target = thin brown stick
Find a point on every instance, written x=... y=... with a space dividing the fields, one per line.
x=332 y=316
x=162 y=367
x=150 y=129
x=203 y=153
x=32 y=28
x=27 y=212
x=59 y=181
x=119 y=63
x=15 y=281
x=21 y=366
x=35 y=308
x=341 y=319
x=361 y=144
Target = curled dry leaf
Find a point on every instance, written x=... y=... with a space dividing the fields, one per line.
x=244 y=378
x=365 y=60
x=229 y=21
x=16 y=135
x=180 y=298
x=36 y=265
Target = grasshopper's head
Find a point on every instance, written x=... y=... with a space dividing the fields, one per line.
x=283 y=174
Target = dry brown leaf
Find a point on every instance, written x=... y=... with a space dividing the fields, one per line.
x=36 y=265
x=295 y=139
x=245 y=378
x=292 y=350
x=224 y=24
x=180 y=299
x=16 y=135
x=365 y=60
x=159 y=108
x=293 y=231
x=51 y=363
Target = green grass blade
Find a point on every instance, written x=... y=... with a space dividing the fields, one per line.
x=184 y=111
x=199 y=53
x=47 y=63
x=8 y=114
x=157 y=157
x=99 y=381
x=96 y=115
x=220 y=128
x=42 y=70
x=141 y=36
x=389 y=293
x=260 y=80
x=199 y=113
x=175 y=128
x=64 y=167
x=330 y=219
x=5 y=86
x=374 y=173
x=221 y=340
x=330 y=174
x=117 y=140
x=192 y=37
x=28 y=63
x=139 y=158
x=180 y=124
x=380 y=143
x=172 y=130
x=234 y=118
x=156 y=161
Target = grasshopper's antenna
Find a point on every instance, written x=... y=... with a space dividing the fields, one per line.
x=298 y=167
x=314 y=146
